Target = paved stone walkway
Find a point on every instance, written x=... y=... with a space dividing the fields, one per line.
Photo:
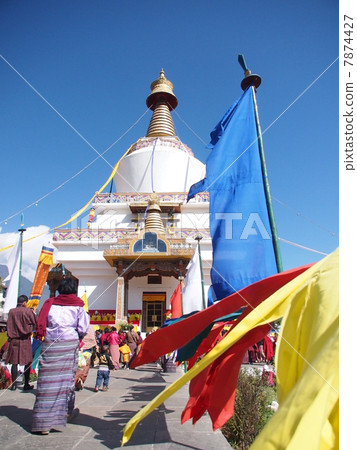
x=103 y=416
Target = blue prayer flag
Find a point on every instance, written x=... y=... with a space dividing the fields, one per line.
x=243 y=250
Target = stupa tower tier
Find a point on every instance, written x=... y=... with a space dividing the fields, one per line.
x=130 y=257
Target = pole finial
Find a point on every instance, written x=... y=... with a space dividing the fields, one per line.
x=249 y=79
x=22 y=228
x=242 y=62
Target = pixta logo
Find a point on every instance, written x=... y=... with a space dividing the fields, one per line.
x=253 y=225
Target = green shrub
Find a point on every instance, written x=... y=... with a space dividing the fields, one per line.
x=123 y=325
x=33 y=377
x=251 y=410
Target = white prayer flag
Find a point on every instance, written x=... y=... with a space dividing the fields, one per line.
x=192 y=292
x=13 y=266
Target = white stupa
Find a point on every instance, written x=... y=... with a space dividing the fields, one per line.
x=130 y=257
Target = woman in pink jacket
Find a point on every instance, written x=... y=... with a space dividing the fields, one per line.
x=113 y=340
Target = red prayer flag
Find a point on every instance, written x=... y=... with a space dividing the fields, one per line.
x=206 y=345
x=170 y=338
x=214 y=388
x=176 y=303
x=268 y=348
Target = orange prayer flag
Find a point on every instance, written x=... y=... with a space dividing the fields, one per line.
x=44 y=264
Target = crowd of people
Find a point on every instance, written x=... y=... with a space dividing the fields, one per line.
x=261 y=352
x=69 y=346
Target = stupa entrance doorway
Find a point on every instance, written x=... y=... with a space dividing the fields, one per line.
x=153 y=310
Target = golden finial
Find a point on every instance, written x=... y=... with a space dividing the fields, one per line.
x=161 y=100
x=162 y=90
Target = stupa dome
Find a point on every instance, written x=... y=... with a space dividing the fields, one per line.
x=159 y=162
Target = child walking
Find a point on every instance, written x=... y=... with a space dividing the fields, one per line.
x=125 y=354
x=105 y=365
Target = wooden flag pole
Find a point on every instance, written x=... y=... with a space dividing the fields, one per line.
x=255 y=80
x=181 y=278
x=21 y=230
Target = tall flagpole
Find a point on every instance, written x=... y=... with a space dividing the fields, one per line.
x=198 y=238
x=255 y=80
x=181 y=278
x=21 y=230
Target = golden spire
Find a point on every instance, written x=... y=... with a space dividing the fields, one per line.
x=153 y=220
x=161 y=100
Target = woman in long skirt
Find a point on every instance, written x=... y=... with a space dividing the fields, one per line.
x=62 y=322
x=113 y=340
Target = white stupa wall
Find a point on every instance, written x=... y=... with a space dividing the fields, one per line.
x=197 y=220
x=101 y=291
x=194 y=215
x=85 y=258
x=112 y=219
x=86 y=262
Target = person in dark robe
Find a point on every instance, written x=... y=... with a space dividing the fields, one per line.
x=20 y=325
x=132 y=340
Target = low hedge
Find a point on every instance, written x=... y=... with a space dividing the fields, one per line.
x=251 y=411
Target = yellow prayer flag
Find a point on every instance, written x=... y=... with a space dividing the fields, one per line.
x=80 y=211
x=273 y=308
x=84 y=298
x=3 y=338
x=32 y=303
x=307 y=368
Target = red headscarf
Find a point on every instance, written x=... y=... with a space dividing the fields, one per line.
x=62 y=300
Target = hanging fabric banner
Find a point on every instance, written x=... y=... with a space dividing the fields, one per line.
x=307 y=347
x=44 y=264
x=13 y=265
x=192 y=292
x=85 y=299
x=176 y=303
x=243 y=250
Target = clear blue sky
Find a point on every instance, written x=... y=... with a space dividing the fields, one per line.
x=93 y=61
